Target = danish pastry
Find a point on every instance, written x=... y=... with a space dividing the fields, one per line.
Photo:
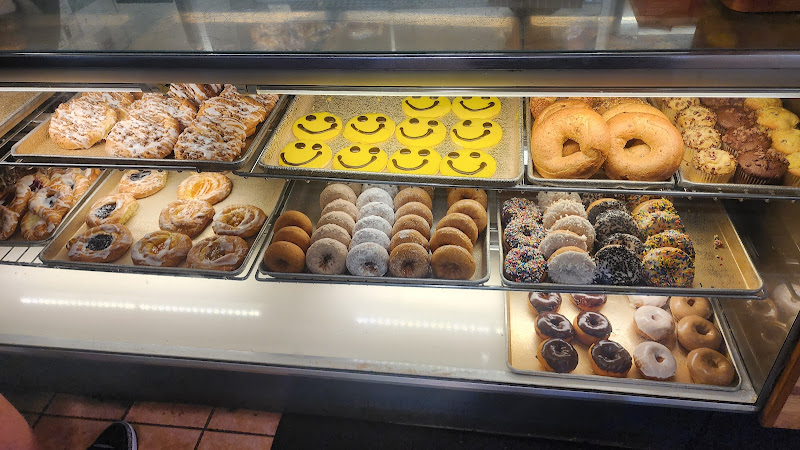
x=103 y=243
x=220 y=139
x=194 y=93
x=116 y=208
x=189 y=217
x=224 y=253
x=119 y=101
x=52 y=203
x=241 y=108
x=151 y=105
x=34 y=228
x=138 y=137
x=161 y=249
x=8 y=222
x=81 y=123
x=142 y=183
x=239 y=220
x=24 y=190
x=74 y=179
x=210 y=186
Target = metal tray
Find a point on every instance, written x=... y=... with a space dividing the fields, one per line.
x=37 y=146
x=724 y=272
x=599 y=180
x=304 y=197
x=15 y=106
x=523 y=343
x=508 y=153
x=746 y=190
x=16 y=239
x=255 y=191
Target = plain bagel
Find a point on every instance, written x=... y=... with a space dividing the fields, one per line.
x=583 y=126
x=655 y=161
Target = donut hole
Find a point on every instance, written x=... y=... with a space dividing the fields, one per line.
x=701 y=330
x=659 y=359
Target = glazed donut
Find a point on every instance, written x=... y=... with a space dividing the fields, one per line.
x=473 y=209
x=377 y=209
x=284 y=257
x=412 y=222
x=409 y=260
x=579 y=226
x=560 y=209
x=367 y=260
x=553 y=326
x=479 y=195
x=518 y=206
x=559 y=106
x=142 y=183
x=161 y=249
x=654 y=361
x=34 y=228
x=522 y=234
x=667 y=267
x=583 y=126
x=561 y=238
x=209 y=186
x=610 y=359
x=413 y=194
x=614 y=221
x=461 y=221
x=103 y=243
x=369 y=235
x=637 y=301
x=342 y=205
x=628 y=241
x=417 y=209
x=331 y=231
x=544 y=302
x=707 y=366
x=408 y=236
x=671 y=238
x=589 y=302
x=52 y=203
x=524 y=264
x=294 y=218
x=295 y=235
x=336 y=191
x=74 y=179
x=239 y=220
x=624 y=108
x=327 y=257
x=223 y=253
x=658 y=221
x=338 y=218
x=762 y=309
x=571 y=265
x=652 y=322
x=189 y=217
x=602 y=205
x=557 y=355
x=616 y=265
x=690 y=306
x=116 y=208
x=374 y=194
x=452 y=262
x=656 y=161
x=450 y=236
x=591 y=327
x=696 y=332
x=8 y=223
x=375 y=222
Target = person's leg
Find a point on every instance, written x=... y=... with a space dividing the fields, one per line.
x=14 y=430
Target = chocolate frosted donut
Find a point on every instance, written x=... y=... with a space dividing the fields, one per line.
x=602 y=205
x=618 y=266
x=554 y=326
x=544 y=302
x=591 y=327
x=558 y=355
x=610 y=358
x=589 y=302
x=628 y=241
x=614 y=221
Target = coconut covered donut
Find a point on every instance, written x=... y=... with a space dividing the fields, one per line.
x=571 y=265
x=583 y=126
x=656 y=161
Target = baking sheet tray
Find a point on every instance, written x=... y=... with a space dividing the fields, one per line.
x=304 y=197
x=508 y=153
x=735 y=188
x=723 y=272
x=598 y=180
x=16 y=239
x=37 y=146
x=254 y=191
x=15 y=106
x=523 y=343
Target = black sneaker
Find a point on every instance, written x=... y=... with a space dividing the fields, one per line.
x=118 y=436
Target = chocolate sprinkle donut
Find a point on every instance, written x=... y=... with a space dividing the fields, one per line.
x=628 y=241
x=600 y=206
x=618 y=266
x=614 y=221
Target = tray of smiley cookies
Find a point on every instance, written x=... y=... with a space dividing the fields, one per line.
x=163 y=222
x=472 y=141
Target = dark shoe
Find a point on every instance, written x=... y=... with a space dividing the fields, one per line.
x=118 y=436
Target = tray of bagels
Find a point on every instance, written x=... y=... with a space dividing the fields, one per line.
x=645 y=340
x=198 y=126
x=380 y=234
x=165 y=222
x=474 y=141
x=616 y=244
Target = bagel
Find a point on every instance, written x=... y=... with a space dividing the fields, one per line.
x=581 y=125
x=559 y=106
x=655 y=161
x=632 y=108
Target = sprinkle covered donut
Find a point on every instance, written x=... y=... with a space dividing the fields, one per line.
x=614 y=221
x=671 y=238
x=525 y=264
x=628 y=241
x=618 y=266
x=658 y=221
x=523 y=234
x=513 y=207
x=668 y=267
x=602 y=205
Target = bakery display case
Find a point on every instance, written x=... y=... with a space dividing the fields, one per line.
x=424 y=344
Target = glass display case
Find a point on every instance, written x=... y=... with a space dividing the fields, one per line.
x=420 y=349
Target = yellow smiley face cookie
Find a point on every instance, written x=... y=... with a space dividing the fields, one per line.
x=421 y=132
x=321 y=126
x=468 y=163
x=363 y=158
x=311 y=154
x=476 y=107
x=369 y=128
x=421 y=161
x=476 y=133
x=426 y=106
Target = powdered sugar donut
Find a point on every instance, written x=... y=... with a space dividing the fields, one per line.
x=326 y=257
x=331 y=231
x=376 y=222
x=577 y=225
x=374 y=194
x=342 y=205
x=370 y=235
x=389 y=188
x=368 y=260
x=562 y=208
x=377 y=209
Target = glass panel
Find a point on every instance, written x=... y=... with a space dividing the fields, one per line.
x=337 y=26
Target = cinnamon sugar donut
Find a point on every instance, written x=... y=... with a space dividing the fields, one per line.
x=450 y=236
x=239 y=220
x=408 y=236
x=417 y=209
x=189 y=217
x=161 y=249
x=294 y=218
x=452 y=262
x=284 y=257
x=412 y=222
x=344 y=206
x=473 y=209
x=413 y=194
x=461 y=221
x=338 y=218
x=337 y=191
x=295 y=235
x=115 y=208
x=142 y=183
x=103 y=243
x=223 y=253
x=479 y=195
x=212 y=187
x=409 y=260
x=331 y=231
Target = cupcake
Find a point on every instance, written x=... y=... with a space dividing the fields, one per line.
x=694 y=116
x=744 y=139
x=716 y=103
x=776 y=118
x=671 y=106
x=757 y=103
x=710 y=166
x=734 y=117
x=699 y=138
x=793 y=174
x=760 y=167
x=786 y=141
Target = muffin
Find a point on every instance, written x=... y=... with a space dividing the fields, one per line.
x=793 y=174
x=776 y=118
x=694 y=116
x=786 y=141
x=760 y=167
x=699 y=138
x=671 y=106
x=757 y=103
x=744 y=139
x=734 y=117
x=710 y=166
x=716 y=102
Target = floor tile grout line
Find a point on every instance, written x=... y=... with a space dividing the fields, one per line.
x=127 y=410
x=208 y=421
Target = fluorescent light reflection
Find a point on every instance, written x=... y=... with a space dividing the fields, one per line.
x=426 y=324
x=144 y=307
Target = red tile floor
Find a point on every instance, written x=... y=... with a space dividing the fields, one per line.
x=66 y=422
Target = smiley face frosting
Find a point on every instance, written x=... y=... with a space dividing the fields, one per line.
x=476 y=107
x=468 y=163
x=426 y=106
x=311 y=154
x=420 y=161
x=420 y=132
x=321 y=126
x=363 y=158
x=476 y=133
x=369 y=128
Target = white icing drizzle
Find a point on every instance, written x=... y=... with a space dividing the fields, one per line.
x=138 y=138
x=82 y=122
